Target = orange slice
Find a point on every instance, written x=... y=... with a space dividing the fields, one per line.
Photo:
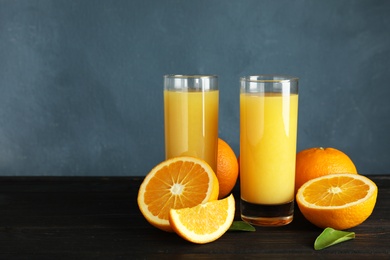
x=339 y=201
x=173 y=184
x=204 y=223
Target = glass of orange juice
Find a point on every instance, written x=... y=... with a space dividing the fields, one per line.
x=191 y=117
x=268 y=136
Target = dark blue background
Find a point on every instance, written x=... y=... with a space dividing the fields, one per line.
x=81 y=81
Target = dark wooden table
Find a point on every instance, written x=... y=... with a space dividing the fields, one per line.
x=83 y=218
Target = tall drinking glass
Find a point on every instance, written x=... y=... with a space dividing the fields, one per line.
x=268 y=135
x=191 y=117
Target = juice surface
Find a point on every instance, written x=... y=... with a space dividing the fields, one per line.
x=268 y=132
x=191 y=125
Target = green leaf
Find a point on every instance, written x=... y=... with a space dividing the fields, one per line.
x=241 y=226
x=330 y=237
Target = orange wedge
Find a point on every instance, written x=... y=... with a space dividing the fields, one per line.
x=173 y=184
x=204 y=223
x=339 y=201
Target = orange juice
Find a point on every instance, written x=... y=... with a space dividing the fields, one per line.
x=268 y=147
x=191 y=124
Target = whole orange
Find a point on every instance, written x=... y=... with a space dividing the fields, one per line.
x=227 y=168
x=317 y=161
x=238 y=161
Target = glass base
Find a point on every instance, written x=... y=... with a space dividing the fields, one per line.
x=267 y=215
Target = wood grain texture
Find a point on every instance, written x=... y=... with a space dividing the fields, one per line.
x=93 y=217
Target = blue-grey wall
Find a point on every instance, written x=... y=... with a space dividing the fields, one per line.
x=81 y=81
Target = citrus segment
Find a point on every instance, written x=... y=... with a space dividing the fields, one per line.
x=227 y=168
x=204 y=223
x=176 y=183
x=339 y=201
x=317 y=161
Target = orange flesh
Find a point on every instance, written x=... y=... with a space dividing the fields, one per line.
x=343 y=190
x=188 y=187
x=218 y=217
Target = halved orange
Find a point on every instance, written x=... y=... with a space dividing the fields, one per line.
x=173 y=184
x=339 y=201
x=204 y=223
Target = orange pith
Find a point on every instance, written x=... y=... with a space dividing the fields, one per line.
x=339 y=201
x=176 y=183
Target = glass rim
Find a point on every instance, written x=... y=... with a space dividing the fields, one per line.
x=269 y=78
x=191 y=76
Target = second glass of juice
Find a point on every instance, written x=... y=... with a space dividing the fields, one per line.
x=268 y=134
x=191 y=117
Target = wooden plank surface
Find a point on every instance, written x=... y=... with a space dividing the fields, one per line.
x=88 y=217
